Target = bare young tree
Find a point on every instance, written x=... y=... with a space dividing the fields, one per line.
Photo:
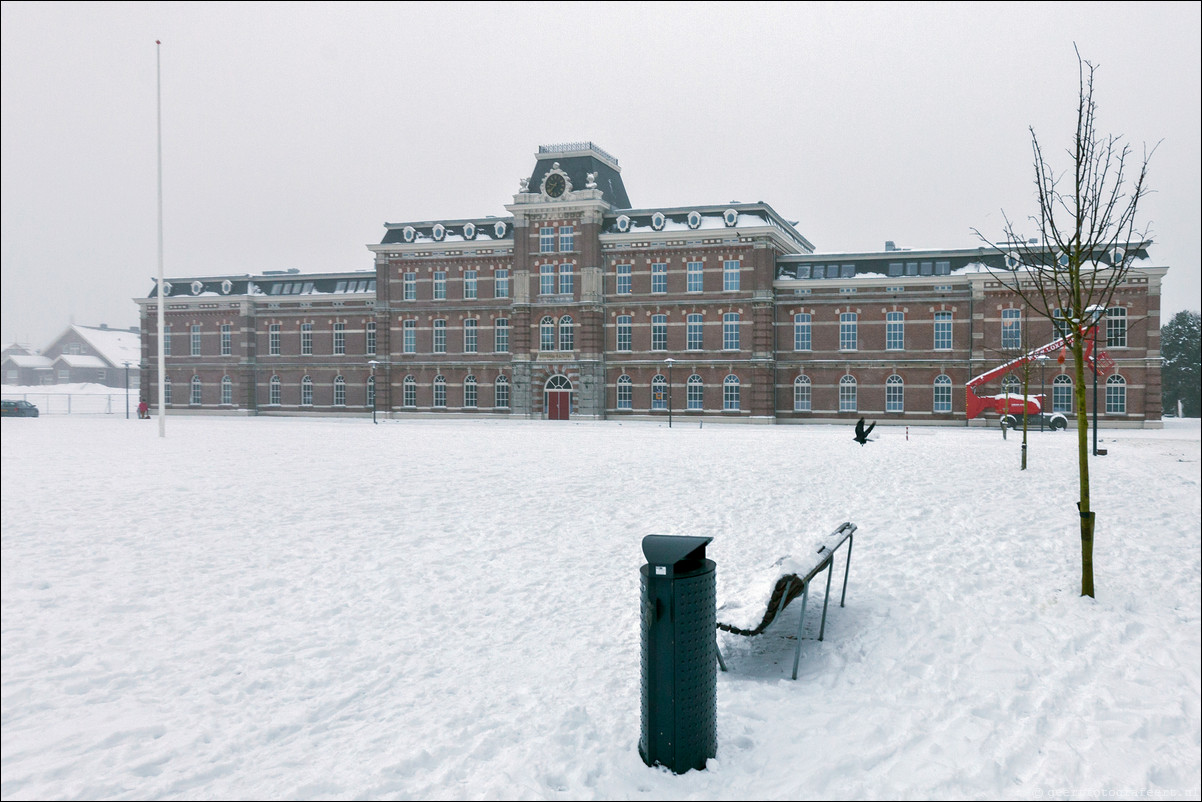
x=1078 y=254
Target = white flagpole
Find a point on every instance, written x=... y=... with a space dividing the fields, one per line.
x=162 y=299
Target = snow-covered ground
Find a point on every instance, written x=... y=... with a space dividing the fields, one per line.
x=275 y=608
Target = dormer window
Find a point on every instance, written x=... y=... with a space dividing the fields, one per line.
x=730 y=217
x=658 y=220
x=623 y=223
x=1117 y=257
x=469 y=230
x=499 y=230
x=694 y=219
x=166 y=288
x=226 y=286
x=438 y=232
x=197 y=287
x=409 y=233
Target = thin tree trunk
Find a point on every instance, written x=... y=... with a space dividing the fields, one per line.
x=1087 y=516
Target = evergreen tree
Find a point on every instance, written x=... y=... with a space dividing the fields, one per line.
x=1181 y=376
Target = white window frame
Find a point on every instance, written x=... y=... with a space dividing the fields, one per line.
x=730 y=394
x=803 y=332
x=470 y=335
x=546 y=334
x=306 y=339
x=339 y=339
x=625 y=337
x=803 y=397
x=730 y=331
x=1116 y=395
x=895 y=394
x=895 y=331
x=409 y=337
x=440 y=336
x=227 y=339
x=849 y=334
x=695 y=393
x=659 y=278
x=848 y=394
x=941 y=394
x=623 y=284
x=501 y=335
x=625 y=392
x=659 y=332
x=694 y=332
x=943 y=330
x=1116 y=327
x=1012 y=329
x=339 y=391
x=695 y=276
x=731 y=270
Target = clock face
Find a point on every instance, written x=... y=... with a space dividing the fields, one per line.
x=554 y=185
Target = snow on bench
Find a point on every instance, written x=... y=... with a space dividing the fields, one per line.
x=766 y=597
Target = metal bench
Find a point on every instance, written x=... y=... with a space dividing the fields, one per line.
x=797 y=583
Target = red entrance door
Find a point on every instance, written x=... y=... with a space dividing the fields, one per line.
x=558 y=397
x=559 y=404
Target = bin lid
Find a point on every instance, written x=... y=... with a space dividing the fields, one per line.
x=671 y=549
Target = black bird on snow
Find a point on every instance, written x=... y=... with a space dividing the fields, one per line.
x=862 y=433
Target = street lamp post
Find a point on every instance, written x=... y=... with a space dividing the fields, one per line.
x=670 y=361
x=374 y=390
x=127 y=390
x=1095 y=389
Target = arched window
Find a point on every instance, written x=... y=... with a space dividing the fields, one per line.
x=696 y=391
x=801 y=394
x=847 y=394
x=469 y=392
x=546 y=334
x=273 y=392
x=659 y=392
x=227 y=390
x=339 y=391
x=167 y=391
x=1116 y=395
x=440 y=391
x=306 y=392
x=1062 y=394
x=730 y=393
x=625 y=392
x=195 y=398
x=895 y=389
x=566 y=337
x=409 y=391
x=501 y=390
x=1011 y=385
x=942 y=394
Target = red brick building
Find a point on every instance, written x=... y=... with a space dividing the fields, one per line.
x=577 y=305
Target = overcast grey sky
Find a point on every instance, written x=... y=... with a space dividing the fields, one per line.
x=293 y=132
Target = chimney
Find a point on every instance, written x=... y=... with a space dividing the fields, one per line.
x=890 y=246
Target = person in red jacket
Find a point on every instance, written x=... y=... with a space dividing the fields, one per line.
x=143 y=410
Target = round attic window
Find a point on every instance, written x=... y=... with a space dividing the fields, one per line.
x=1012 y=261
x=409 y=233
x=469 y=230
x=166 y=288
x=658 y=220
x=694 y=219
x=197 y=287
x=438 y=232
x=1117 y=257
x=499 y=230
x=623 y=223
x=730 y=217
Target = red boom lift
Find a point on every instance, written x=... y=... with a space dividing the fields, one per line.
x=1011 y=405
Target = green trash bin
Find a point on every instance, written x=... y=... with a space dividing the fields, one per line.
x=679 y=654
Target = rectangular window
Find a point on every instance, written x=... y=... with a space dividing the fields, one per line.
x=848 y=335
x=546 y=239
x=409 y=337
x=567 y=239
x=339 y=338
x=546 y=280
x=659 y=277
x=167 y=341
x=469 y=284
x=695 y=274
x=943 y=331
x=440 y=285
x=659 y=332
x=501 y=335
x=730 y=275
x=306 y=339
x=730 y=331
x=623 y=285
x=273 y=339
x=693 y=332
x=565 y=279
x=1012 y=329
x=895 y=269
x=469 y=336
x=895 y=337
x=501 y=283
x=371 y=337
x=1116 y=327
x=410 y=287
x=227 y=339
x=440 y=336
x=802 y=332
x=624 y=335
x=196 y=341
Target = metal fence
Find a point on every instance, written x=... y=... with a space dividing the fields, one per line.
x=80 y=403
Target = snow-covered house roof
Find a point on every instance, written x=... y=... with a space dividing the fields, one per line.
x=81 y=361
x=115 y=346
x=36 y=361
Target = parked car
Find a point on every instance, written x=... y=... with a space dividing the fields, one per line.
x=18 y=409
